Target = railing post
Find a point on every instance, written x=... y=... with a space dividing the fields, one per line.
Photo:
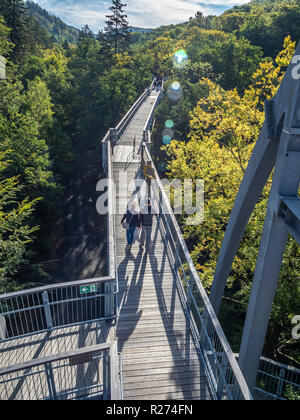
x=134 y=143
x=176 y=256
x=160 y=206
x=280 y=383
x=134 y=151
x=189 y=296
x=3 y=329
x=104 y=156
x=50 y=381
x=106 y=375
x=115 y=385
x=47 y=310
x=142 y=157
x=113 y=136
x=222 y=373
x=108 y=300
x=121 y=376
x=167 y=228
x=145 y=136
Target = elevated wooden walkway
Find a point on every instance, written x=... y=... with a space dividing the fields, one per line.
x=158 y=353
x=169 y=338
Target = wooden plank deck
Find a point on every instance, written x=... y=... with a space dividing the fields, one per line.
x=158 y=353
x=40 y=345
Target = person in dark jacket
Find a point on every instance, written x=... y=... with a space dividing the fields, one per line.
x=132 y=219
x=146 y=223
x=149 y=175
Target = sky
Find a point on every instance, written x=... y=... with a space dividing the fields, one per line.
x=141 y=13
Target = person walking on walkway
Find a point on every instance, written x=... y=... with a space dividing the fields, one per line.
x=130 y=221
x=146 y=223
x=149 y=175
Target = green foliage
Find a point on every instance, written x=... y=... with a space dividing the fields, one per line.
x=13 y=12
x=265 y=23
x=54 y=107
x=39 y=104
x=48 y=75
x=25 y=33
x=55 y=27
x=291 y=394
x=19 y=133
x=15 y=232
x=5 y=45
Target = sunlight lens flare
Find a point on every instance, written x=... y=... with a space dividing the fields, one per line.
x=175 y=91
x=168 y=135
x=175 y=85
x=180 y=59
x=167 y=140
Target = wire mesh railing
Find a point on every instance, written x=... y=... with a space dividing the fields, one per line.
x=62 y=305
x=87 y=373
x=276 y=381
x=41 y=309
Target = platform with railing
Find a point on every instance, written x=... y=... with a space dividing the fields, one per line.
x=148 y=330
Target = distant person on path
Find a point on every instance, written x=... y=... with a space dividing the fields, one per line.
x=130 y=221
x=159 y=80
x=146 y=222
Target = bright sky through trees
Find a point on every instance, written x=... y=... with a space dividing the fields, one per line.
x=141 y=13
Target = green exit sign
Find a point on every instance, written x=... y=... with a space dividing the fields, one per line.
x=91 y=288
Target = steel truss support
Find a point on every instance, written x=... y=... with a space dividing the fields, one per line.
x=277 y=146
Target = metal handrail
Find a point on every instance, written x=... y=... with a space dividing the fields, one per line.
x=123 y=124
x=292 y=369
x=41 y=309
x=128 y=117
x=53 y=358
x=38 y=310
x=55 y=286
x=150 y=116
x=112 y=252
x=111 y=226
x=225 y=375
x=108 y=151
x=274 y=379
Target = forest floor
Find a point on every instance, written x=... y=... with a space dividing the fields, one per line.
x=79 y=239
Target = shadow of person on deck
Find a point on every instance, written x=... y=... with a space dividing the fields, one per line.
x=129 y=296
x=177 y=333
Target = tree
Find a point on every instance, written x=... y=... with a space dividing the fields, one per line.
x=85 y=33
x=264 y=23
x=15 y=232
x=13 y=12
x=223 y=129
x=5 y=45
x=117 y=29
x=47 y=78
